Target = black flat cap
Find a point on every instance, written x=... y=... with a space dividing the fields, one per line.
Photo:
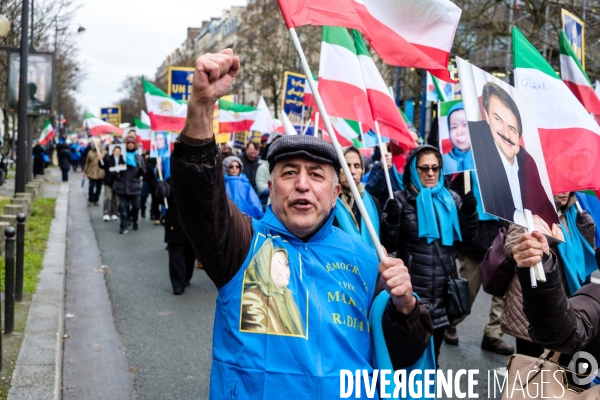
x=303 y=145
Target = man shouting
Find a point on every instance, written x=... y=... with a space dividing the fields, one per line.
x=294 y=291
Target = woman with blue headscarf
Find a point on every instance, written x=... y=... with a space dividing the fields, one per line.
x=239 y=189
x=422 y=224
x=461 y=157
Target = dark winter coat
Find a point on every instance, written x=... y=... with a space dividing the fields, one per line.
x=428 y=274
x=129 y=182
x=109 y=162
x=38 y=160
x=64 y=158
x=173 y=231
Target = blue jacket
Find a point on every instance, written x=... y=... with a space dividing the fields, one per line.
x=325 y=327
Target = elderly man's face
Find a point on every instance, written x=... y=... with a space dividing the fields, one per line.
x=505 y=129
x=303 y=193
x=355 y=166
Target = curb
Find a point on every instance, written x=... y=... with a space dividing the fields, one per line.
x=38 y=371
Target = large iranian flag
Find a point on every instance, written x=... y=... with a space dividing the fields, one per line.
x=47 y=133
x=575 y=77
x=99 y=127
x=166 y=113
x=383 y=107
x=234 y=117
x=348 y=132
x=341 y=83
x=569 y=135
x=143 y=129
x=409 y=33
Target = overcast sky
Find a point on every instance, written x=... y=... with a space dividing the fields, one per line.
x=132 y=37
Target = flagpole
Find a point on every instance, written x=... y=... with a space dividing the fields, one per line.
x=159 y=164
x=383 y=151
x=359 y=203
x=317 y=124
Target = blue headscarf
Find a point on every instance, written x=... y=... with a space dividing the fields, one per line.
x=577 y=254
x=464 y=160
x=475 y=186
x=164 y=152
x=435 y=205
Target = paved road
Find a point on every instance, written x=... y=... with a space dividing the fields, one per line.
x=167 y=338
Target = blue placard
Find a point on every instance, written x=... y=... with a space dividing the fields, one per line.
x=293 y=94
x=112 y=115
x=573 y=28
x=180 y=83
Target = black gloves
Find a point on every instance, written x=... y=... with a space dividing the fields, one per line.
x=469 y=204
x=584 y=220
x=163 y=189
x=392 y=210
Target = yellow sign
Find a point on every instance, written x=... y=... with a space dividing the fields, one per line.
x=180 y=82
x=574 y=29
x=111 y=114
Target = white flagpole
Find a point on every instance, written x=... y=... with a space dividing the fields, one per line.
x=383 y=151
x=160 y=176
x=359 y=203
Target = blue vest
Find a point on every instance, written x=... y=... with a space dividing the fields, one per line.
x=294 y=315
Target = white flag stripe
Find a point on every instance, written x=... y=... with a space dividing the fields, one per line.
x=165 y=106
x=336 y=56
x=415 y=21
x=571 y=72
x=567 y=113
x=371 y=76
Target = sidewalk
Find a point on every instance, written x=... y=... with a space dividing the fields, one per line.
x=37 y=374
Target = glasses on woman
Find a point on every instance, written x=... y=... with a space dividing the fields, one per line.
x=234 y=166
x=425 y=169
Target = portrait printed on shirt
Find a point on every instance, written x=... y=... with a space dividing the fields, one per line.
x=269 y=304
x=507 y=151
x=455 y=142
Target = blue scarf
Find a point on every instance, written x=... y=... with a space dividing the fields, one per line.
x=577 y=254
x=131 y=158
x=464 y=161
x=482 y=215
x=591 y=204
x=346 y=221
x=381 y=355
x=397 y=176
x=240 y=191
x=435 y=205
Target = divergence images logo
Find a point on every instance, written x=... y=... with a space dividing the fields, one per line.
x=585 y=367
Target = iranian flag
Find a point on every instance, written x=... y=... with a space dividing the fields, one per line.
x=383 y=107
x=47 y=133
x=569 y=135
x=346 y=130
x=575 y=77
x=234 y=117
x=409 y=33
x=143 y=129
x=341 y=84
x=99 y=127
x=166 y=113
x=263 y=122
x=309 y=98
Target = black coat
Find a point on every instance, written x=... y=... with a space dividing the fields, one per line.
x=150 y=176
x=173 y=231
x=64 y=158
x=250 y=168
x=38 y=160
x=428 y=273
x=109 y=162
x=129 y=181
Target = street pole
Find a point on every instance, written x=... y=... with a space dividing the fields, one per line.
x=22 y=162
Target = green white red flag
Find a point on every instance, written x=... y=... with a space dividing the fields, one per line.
x=47 y=133
x=570 y=137
x=234 y=117
x=341 y=85
x=99 y=127
x=383 y=107
x=166 y=113
x=410 y=33
x=309 y=98
x=143 y=130
x=575 y=77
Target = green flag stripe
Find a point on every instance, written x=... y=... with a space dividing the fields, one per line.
x=446 y=105
x=235 y=107
x=527 y=56
x=338 y=36
x=154 y=91
x=139 y=124
x=566 y=49
x=361 y=47
x=439 y=91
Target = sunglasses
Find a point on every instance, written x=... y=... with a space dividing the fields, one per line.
x=234 y=166
x=425 y=169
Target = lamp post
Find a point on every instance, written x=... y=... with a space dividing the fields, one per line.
x=22 y=145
